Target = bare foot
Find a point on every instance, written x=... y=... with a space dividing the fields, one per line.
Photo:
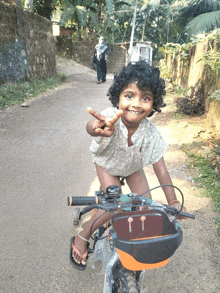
x=81 y=246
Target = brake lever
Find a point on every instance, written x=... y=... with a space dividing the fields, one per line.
x=108 y=207
x=86 y=210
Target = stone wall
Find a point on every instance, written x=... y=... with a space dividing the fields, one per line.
x=27 y=51
x=40 y=46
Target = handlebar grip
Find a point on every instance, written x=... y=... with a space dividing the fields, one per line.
x=187 y=215
x=81 y=200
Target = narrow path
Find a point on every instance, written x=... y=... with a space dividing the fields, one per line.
x=45 y=157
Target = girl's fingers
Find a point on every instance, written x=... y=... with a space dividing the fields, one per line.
x=94 y=114
x=115 y=118
x=98 y=130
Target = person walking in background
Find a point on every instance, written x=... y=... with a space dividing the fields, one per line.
x=100 y=59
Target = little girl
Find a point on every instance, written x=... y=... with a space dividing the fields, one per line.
x=125 y=141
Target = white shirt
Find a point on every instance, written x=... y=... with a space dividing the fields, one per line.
x=117 y=158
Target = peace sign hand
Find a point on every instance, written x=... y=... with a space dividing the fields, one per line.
x=103 y=126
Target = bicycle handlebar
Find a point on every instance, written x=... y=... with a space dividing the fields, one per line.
x=81 y=200
x=187 y=215
x=96 y=202
x=170 y=209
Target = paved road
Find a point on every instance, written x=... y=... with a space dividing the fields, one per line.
x=44 y=155
x=44 y=158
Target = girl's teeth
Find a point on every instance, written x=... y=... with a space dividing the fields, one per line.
x=134 y=112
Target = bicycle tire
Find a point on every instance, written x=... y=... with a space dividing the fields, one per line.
x=125 y=281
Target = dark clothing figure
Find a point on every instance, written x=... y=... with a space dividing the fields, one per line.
x=101 y=68
x=100 y=59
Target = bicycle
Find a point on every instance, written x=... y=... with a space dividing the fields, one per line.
x=149 y=237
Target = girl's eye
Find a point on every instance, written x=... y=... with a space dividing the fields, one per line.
x=128 y=96
x=147 y=98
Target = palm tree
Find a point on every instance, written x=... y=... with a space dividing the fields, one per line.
x=82 y=12
x=75 y=12
x=200 y=16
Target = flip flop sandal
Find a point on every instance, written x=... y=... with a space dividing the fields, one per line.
x=76 y=265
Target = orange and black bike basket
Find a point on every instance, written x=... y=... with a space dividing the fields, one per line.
x=145 y=239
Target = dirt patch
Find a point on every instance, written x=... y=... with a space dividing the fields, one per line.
x=193 y=131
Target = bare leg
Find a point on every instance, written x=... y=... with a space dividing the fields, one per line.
x=105 y=180
x=137 y=183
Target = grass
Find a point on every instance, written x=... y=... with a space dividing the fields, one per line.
x=207 y=180
x=178 y=116
x=17 y=93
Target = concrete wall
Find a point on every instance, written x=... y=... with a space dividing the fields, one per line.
x=30 y=54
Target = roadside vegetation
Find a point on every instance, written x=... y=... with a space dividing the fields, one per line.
x=17 y=93
x=203 y=153
x=207 y=179
x=158 y=22
x=203 y=161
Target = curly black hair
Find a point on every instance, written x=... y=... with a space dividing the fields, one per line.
x=146 y=77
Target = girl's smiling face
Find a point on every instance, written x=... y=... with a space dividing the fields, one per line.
x=135 y=104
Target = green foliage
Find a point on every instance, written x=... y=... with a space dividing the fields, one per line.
x=183 y=50
x=156 y=22
x=19 y=92
x=161 y=24
x=97 y=16
x=199 y=16
x=113 y=19
x=164 y=72
x=207 y=179
x=212 y=57
x=43 y=8
x=204 y=23
x=217 y=222
x=74 y=13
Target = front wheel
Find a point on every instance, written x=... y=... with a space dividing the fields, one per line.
x=125 y=281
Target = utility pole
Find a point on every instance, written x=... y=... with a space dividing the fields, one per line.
x=132 y=33
x=145 y=19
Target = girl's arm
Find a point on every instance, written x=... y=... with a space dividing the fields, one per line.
x=163 y=176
